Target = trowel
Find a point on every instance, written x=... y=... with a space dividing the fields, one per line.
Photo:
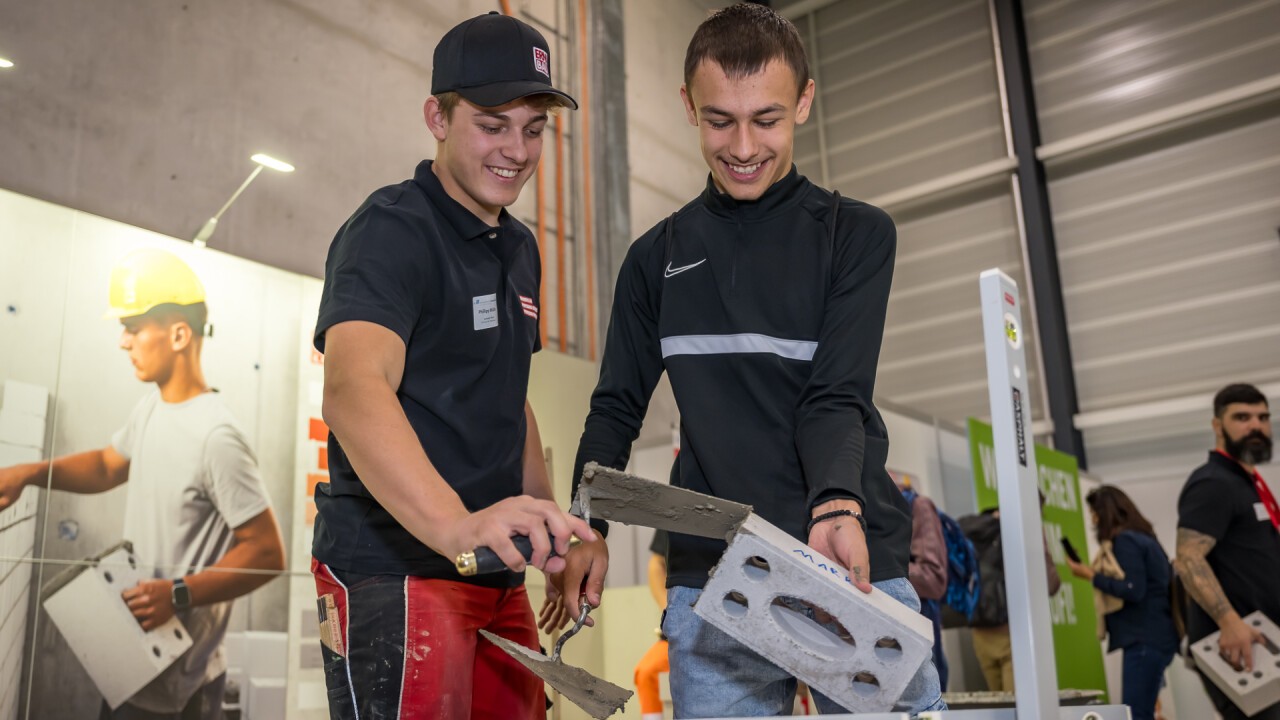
x=619 y=497
x=598 y=697
x=631 y=500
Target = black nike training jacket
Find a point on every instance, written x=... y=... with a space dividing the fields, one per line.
x=768 y=320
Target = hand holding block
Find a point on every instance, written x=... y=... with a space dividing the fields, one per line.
x=120 y=657
x=1250 y=691
x=863 y=652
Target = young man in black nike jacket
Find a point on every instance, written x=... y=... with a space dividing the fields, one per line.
x=764 y=300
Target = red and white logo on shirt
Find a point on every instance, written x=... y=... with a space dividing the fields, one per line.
x=527 y=305
x=542 y=62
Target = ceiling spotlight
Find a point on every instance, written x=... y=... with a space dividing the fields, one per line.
x=206 y=231
x=268 y=161
x=5 y=63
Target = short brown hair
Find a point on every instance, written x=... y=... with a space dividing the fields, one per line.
x=742 y=39
x=546 y=102
x=195 y=315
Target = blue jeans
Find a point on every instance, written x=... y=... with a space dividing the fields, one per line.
x=1143 y=669
x=933 y=610
x=713 y=675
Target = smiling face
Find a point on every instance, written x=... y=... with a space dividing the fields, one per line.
x=746 y=125
x=486 y=155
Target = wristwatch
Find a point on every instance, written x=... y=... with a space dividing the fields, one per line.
x=181 y=594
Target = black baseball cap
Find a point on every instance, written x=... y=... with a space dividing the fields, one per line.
x=493 y=59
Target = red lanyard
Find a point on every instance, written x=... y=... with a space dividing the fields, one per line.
x=1267 y=499
x=1264 y=494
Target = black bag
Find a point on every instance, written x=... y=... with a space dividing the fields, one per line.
x=984 y=532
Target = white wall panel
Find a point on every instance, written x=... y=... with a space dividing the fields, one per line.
x=907 y=93
x=932 y=358
x=1171 y=267
x=1098 y=62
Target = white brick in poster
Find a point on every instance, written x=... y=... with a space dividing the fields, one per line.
x=25 y=398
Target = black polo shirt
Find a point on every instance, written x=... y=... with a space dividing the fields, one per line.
x=1220 y=500
x=463 y=297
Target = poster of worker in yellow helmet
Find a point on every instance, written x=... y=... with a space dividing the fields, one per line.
x=196 y=522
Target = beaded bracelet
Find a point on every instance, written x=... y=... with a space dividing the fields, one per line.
x=838 y=513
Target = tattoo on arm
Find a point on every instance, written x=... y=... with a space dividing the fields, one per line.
x=1197 y=576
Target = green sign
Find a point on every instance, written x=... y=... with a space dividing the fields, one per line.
x=1076 y=648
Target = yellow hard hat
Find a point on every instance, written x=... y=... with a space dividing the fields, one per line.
x=146 y=278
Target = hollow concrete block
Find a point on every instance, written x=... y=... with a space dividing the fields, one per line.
x=759 y=594
x=1250 y=691
x=115 y=651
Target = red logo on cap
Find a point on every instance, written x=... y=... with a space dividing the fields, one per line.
x=542 y=62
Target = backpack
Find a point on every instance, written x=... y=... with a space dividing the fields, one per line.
x=992 y=608
x=963 y=576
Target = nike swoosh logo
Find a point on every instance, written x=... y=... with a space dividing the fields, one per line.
x=676 y=271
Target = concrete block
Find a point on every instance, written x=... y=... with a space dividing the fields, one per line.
x=266 y=699
x=20 y=429
x=1250 y=691
x=234 y=648
x=104 y=636
x=11 y=454
x=758 y=594
x=266 y=654
x=26 y=399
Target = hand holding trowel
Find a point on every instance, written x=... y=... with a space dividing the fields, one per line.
x=630 y=500
x=618 y=497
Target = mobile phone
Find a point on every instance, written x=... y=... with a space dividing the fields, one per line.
x=1070 y=550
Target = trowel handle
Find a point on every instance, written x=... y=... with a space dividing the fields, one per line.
x=483 y=561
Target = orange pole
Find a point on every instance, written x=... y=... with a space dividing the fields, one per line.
x=585 y=130
x=506 y=6
x=561 y=314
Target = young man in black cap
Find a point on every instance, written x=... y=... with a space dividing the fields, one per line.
x=428 y=322
x=764 y=300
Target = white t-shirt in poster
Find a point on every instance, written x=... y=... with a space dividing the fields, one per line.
x=192 y=480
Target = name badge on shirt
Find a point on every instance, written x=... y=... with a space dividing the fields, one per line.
x=484 y=312
x=1261 y=511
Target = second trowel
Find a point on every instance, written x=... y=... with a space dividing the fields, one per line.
x=598 y=697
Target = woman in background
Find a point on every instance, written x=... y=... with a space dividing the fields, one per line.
x=1143 y=626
